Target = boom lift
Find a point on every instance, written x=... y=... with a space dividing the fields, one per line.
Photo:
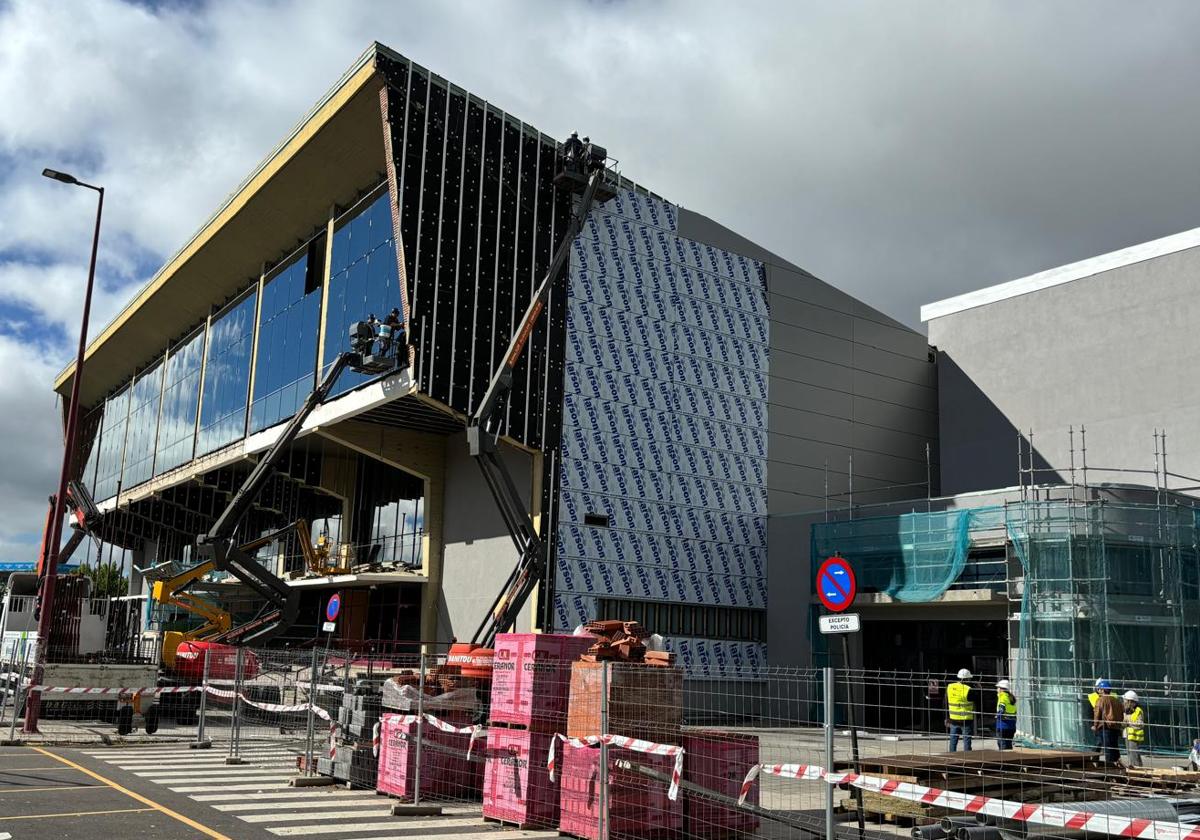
x=217 y=546
x=582 y=169
x=170 y=588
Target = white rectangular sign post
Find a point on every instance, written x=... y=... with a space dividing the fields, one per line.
x=839 y=623
x=329 y=626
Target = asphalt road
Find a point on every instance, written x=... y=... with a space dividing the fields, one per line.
x=169 y=791
x=63 y=793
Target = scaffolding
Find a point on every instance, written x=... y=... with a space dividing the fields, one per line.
x=1102 y=579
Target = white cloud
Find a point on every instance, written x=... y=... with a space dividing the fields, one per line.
x=904 y=152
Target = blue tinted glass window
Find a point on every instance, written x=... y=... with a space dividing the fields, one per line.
x=363 y=278
x=143 y=424
x=181 y=395
x=112 y=446
x=89 y=446
x=227 y=376
x=285 y=368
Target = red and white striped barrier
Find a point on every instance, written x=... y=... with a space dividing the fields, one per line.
x=474 y=730
x=93 y=690
x=635 y=744
x=258 y=704
x=1047 y=815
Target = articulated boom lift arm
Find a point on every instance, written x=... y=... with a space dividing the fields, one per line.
x=218 y=546
x=531 y=548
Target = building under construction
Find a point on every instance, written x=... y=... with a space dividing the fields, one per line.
x=1066 y=548
x=683 y=385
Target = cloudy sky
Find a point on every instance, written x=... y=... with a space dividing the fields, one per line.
x=902 y=151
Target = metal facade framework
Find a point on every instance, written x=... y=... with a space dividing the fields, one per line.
x=477 y=218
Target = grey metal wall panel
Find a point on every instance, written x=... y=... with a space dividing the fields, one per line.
x=785 y=392
x=904 y=342
x=813 y=345
x=874 y=385
x=902 y=418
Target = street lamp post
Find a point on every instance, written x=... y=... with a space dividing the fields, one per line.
x=53 y=539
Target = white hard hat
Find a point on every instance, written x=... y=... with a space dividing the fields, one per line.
x=964 y=674
x=1005 y=684
x=1131 y=695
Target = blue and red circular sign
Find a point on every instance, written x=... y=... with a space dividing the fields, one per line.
x=332 y=608
x=836 y=584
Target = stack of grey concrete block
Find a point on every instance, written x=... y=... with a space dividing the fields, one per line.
x=354 y=755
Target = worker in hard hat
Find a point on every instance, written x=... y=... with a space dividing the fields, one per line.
x=961 y=711
x=1006 y=715
x=1135 y=729
x=1107 y=721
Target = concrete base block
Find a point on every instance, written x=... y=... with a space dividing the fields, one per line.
x=313 y=781
x=200 y=745
x=234 y=759
x=402 y=809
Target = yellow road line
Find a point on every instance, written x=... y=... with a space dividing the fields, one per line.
x=77 y=814
x=203 y=829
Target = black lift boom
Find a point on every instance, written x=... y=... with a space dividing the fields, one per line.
x=583 y=170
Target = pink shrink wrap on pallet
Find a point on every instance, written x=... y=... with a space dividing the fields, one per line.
x=638 y=806
x=444 y=775
x=516 y=782
x=718 y=761
x=531 y=678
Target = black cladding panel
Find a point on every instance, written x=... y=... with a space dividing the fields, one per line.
x=479 y=219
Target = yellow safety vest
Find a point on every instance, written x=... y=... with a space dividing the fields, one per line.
x=1133 y=729
x=958 y=700
x=1093 y=698
x=1006 y=709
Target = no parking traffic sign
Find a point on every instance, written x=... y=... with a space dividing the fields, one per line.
x=836 y=584
x=332 y=607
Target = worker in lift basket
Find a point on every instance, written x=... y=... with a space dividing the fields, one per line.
x=391 y=331
x=961 y=711
x=1107 y=722
x=1006 y=715
x=1135 y=729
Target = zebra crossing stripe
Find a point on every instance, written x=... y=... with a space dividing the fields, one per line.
x=272 y=784
x=264 y=780
x=204 y=773
x=307 y=793
x=361 y=812
x=364 y=800
x=390 y=825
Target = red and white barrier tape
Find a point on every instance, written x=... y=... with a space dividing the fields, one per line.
x=635 y=744
x=1025 y=812
x=474 y=730
x=93 y=690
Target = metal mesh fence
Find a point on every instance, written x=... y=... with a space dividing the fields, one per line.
x=617 y=749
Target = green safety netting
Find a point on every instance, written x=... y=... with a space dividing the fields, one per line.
x=913 y=557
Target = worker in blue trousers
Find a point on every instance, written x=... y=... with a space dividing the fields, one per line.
x=960 y=709
x=1006 y=715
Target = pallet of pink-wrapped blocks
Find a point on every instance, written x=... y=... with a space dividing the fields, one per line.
x=531 y=679
x=446 y=772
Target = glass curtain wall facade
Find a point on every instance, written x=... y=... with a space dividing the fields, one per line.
x=180 y=399
x=142 y=433
x=252 y=363
x=363 y=279
x=227 y=375
x=288 y=320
